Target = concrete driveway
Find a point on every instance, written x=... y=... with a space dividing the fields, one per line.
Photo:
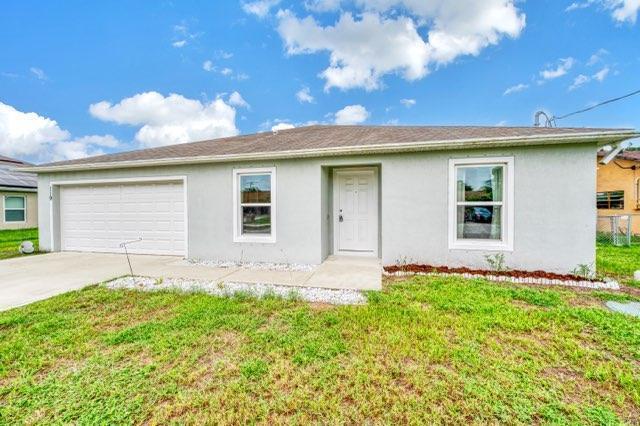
x=25 y=280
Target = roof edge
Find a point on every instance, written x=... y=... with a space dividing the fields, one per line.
x=602 y=138
x=6 y=188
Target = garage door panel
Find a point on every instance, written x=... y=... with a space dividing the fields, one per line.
x=100 y=217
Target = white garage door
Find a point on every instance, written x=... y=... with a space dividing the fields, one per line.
x=99 y=217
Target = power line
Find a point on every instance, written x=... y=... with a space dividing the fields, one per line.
x=628 y=95
x=551 y=121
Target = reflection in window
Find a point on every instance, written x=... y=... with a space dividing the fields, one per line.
x=255 y=204
x=255 y=188
x=479 y=202
x=256 y=220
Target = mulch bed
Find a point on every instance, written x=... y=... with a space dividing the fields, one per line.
x=515 y=273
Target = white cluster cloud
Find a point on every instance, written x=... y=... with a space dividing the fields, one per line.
x=515 y=89
x=582 y=79
x=38 y=73
x=597 y=57
x=259 y=8
x=563 y=67
x=282 y=126
x=351 y=114
x=304 y=95
x=172 y=119
x=182 y=35
x=624 y=10
x=32 y=136
x=385 y=38
x=237 y=100
x=408 y=103
x=85 y=146
x=209 y=66
x=621 y=10
x=322 y=5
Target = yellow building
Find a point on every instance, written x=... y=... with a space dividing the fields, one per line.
x=618 y=189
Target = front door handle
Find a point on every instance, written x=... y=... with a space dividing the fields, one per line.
x=340 y=218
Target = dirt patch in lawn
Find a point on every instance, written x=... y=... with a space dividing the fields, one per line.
x=319 y=306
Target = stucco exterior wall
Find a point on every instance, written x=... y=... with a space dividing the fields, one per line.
x=554 y=207
x=31 y=213
x=619 y=177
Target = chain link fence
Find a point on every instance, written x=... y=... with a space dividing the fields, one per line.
x=617 y=229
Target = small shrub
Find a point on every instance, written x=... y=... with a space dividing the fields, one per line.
x=496 y=262
x=584 y=270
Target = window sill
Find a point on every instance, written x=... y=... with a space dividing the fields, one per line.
x=481 y=245
x=245 y=239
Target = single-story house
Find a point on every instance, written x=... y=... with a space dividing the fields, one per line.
x=437 y=195
x=18 y=195
x=618 y=188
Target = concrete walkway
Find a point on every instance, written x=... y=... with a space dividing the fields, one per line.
x=27 y=279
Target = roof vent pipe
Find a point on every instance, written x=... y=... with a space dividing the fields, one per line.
x=548 y=121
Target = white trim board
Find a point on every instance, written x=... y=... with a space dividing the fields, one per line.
x=507 y=241
x=238 y=237
x=4 y=209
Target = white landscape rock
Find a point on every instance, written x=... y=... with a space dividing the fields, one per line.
x=604 y=284
x=226 y=289
x=260 y=266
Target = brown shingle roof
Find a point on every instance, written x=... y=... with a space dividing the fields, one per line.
x=630 y=155
x=337 y=138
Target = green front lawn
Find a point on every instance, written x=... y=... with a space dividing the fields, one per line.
x=424 y=350
x=618 y=262
x=10 y=241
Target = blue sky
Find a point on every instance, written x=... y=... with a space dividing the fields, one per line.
x=80 y=78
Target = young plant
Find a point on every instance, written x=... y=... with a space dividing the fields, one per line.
x=402 y=262
x=584 y=270
x=496 y=262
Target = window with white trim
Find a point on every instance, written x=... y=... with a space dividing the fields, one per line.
x=481 y=204
x=15 y=208
x=254 y=205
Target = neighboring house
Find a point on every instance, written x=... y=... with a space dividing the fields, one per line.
x=18 y=195
x=436 y=195
x=618 y=190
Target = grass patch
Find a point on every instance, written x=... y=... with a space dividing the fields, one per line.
x=618 y=262
x=10 y=241
x=425 y=350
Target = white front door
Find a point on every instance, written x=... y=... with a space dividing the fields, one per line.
x=356 y=211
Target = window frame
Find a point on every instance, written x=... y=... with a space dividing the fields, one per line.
x=608 y=200
x=507 y=203
x=238 y=236
x=4 y=209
